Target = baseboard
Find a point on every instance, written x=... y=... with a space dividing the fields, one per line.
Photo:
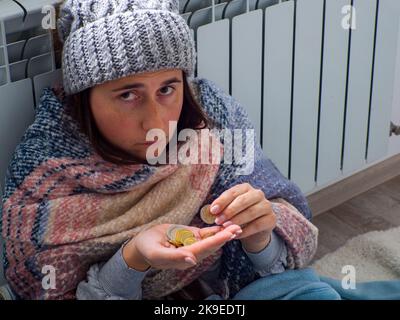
x=352 y=186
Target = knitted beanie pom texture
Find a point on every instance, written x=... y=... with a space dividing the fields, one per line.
x=105 y=40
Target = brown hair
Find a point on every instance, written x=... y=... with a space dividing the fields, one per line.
x=78 y=105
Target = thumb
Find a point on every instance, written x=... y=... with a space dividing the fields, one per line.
x=178 y=255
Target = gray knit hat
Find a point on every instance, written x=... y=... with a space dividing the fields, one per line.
x=109 y=39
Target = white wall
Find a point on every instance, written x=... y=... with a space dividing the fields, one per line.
x=394 y=142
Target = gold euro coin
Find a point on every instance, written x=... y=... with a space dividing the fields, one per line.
x=182 y=234
x=189 y=241
x=174 y=243
x=186 y=234
x=171 y=232
x=206 y=215
x=179 y=236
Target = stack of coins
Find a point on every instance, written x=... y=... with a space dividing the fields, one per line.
x=206 y=215
x=180 y=236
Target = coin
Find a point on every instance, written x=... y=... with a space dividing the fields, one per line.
x=182 y=234
x=189 y=241
x=173 y=242
x=171 y=232
x=179 y=235
x=206 y=215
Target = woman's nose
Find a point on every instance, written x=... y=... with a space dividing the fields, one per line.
x=152 y=118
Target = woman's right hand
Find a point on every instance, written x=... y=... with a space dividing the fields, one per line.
x=150 y=248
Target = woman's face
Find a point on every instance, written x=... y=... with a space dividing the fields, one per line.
x=126 y=109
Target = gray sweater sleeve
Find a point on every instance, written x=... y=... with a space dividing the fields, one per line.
x=113 y=280
x=270 y=260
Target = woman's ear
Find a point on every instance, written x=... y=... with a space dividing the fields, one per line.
x=59 y=92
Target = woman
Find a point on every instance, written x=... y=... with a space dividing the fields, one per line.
x=86 y=210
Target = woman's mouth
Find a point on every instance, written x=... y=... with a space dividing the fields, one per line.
x=147 y=143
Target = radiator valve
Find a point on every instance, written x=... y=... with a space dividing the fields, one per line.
x=394 y=129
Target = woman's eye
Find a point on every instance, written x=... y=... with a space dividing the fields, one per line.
x=130 y=96
x=127 y=96
x=167 y=92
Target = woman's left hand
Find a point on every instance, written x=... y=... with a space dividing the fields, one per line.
x=246 y=206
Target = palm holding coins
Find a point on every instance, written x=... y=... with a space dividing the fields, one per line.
x=171 y=246
x=179 y=235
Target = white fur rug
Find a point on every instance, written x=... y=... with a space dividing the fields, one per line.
x=375 y=256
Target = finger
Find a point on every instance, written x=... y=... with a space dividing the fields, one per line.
x=214 y=242
x=180 y=265
x=264 y=223
x=204 y=232
x=219 y=204
x=209 y=231
x=250 y=214
x=240 y=204
x=197 y=230
x=173 y=255
x=229 y=223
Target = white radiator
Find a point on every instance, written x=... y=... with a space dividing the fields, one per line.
x=319 y=93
